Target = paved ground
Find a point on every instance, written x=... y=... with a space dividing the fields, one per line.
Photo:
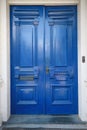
x=0 y=128
x=43 y=129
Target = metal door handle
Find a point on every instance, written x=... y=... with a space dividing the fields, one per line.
x=47 y=69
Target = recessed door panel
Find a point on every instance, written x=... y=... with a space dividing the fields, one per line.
x=60 y=44
x=44 y=60
x=26 y=45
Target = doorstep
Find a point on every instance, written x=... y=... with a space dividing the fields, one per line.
x=44 y=122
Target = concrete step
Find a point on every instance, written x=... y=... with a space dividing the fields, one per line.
x=62 y=127
x=44 y=122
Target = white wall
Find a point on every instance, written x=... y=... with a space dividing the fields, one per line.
x=5 y=53
x=4 y=62
x=82 y=51
x=86 y=59
x=0 y=69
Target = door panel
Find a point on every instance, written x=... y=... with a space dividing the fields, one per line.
x=26 y=46
x=27 y=80
x=61 y=93
x=44 y=60
x=60 y=56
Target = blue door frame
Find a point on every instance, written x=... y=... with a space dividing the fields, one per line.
x=44 y=60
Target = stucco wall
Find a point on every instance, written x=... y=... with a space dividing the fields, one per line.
x=0 y=61
x=5 y=64
x=5 y=53
x=82 y=51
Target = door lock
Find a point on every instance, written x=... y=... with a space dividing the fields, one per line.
x=47 y=70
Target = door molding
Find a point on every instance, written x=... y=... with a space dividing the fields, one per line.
x=41 y=2
x=5 y=54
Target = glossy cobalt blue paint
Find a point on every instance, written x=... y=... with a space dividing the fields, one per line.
x=44 y=60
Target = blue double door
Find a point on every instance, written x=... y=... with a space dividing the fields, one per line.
x=44 y=60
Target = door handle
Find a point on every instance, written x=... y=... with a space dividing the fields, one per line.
x=47 y=69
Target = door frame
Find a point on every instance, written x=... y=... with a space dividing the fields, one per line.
x=51 y=109
x=5 y=59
